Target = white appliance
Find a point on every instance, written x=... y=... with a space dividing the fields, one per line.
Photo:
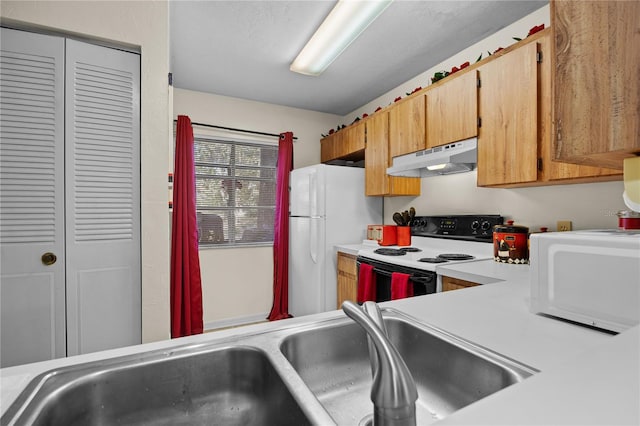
x=436 y=241
x=591 y=277
x=424 y=248
x=327 y=207
x=457 y=157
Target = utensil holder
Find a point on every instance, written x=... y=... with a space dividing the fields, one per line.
x=404 y=235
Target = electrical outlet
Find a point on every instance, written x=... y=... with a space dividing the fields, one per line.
x=564 y=225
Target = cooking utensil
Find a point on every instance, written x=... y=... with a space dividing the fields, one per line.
x=405 y=217
x=398 y=219
x=412 y=215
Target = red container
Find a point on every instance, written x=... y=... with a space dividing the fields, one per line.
x=404 y=235
x=510 y=243
x=628 y=219
x=389 y=235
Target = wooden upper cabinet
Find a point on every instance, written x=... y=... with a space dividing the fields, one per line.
x=551 y=170
x=596 y=82
x=377 y=159
x=506 y=156
x=407 y=126
x=328 y=146
x=452 y=110
x=346 y=144
x=508 y=108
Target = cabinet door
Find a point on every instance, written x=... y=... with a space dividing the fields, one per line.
x=596 y=83
x=354 y=140
x=347 y=144
x=450 y=283
x=452 y=110
x=327 y=145
x=407 y=126
x=508 y=105
x=32 y=293
x=347 y=278
x=552 y=170
x=377 y=159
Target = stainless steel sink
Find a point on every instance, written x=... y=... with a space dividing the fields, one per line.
x=450 y=373
x=236 y=385
x=312 y=373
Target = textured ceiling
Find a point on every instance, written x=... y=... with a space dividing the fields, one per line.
x=243 y=49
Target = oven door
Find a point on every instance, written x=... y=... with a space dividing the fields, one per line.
x=424 y=282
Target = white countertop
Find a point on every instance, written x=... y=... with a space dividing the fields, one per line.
x=485 y=271
x=353 y=249
x=586 y=376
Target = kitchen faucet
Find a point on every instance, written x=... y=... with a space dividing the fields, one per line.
x=394 y=391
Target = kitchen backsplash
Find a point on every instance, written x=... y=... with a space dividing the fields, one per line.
x=587 y=205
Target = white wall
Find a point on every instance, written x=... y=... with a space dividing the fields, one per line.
x=237 y=283
x=142 y=24
x=586 y=205
x=502 y=38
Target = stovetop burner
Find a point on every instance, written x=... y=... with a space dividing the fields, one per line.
x=432 y=260
x=456 y=256
x=390 y=252
x=410 y=249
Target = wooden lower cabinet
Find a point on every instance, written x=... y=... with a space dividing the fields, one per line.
x=449 y=283
x=347 y=278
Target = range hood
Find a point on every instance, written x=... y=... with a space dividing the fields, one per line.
x=455 y=157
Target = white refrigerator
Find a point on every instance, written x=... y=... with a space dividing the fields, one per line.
x=327 y=207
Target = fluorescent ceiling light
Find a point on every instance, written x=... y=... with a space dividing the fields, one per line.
x=344 y=24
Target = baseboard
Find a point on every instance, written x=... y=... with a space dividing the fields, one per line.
x=235 y=322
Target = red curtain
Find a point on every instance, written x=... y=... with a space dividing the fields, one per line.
x=186 y=286
x=280 y=308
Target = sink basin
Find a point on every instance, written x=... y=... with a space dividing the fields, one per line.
x=249 y=380
x=450 y=373
x=236 y=385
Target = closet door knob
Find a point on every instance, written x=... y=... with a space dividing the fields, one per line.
x=49 y=258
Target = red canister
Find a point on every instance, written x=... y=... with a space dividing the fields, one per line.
x=389 y=235
x=510 y=243
x=628 y=219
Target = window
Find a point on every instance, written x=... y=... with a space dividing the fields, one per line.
x=235 y=192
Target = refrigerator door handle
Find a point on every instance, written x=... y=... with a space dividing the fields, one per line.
x=313 y=241
x=313 y=194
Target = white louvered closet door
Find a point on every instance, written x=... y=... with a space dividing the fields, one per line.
x=32 y=294
x=102 y=180
x=69 y=188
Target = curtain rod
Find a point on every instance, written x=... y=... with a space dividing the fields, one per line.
x=253 y=132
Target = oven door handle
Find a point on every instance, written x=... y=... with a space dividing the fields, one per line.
x=414 y=278
x=424 y=280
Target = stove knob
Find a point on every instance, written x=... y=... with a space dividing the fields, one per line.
x=486 y=226
x=475 y=224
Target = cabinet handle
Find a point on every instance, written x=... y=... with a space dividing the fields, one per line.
x=49 y=258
